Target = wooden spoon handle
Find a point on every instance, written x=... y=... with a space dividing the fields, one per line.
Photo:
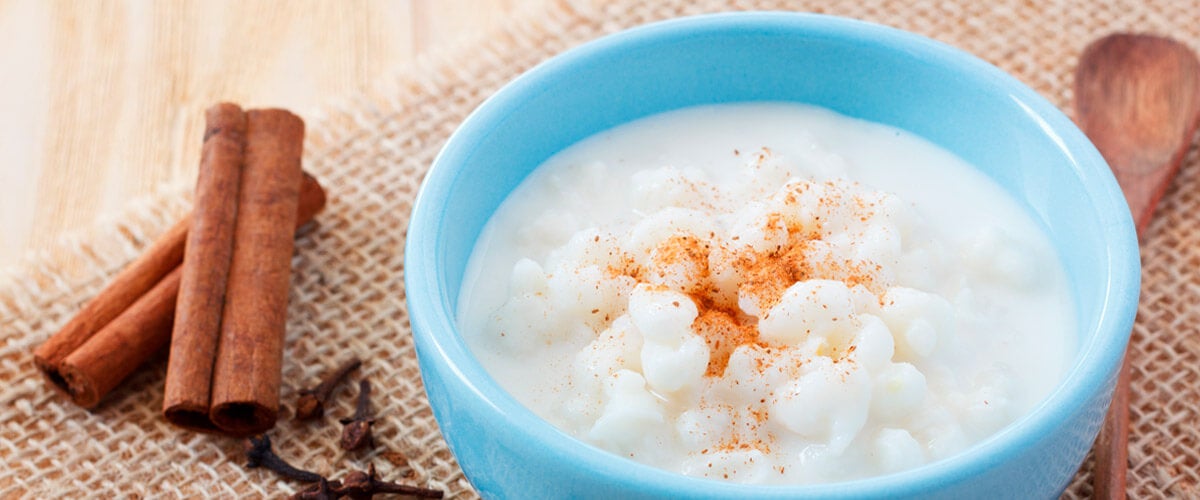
x=1112 y=447
x=1138 y=99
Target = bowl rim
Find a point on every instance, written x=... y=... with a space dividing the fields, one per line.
x=1090 y=373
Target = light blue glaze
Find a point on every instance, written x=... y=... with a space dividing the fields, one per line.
x=862 y=70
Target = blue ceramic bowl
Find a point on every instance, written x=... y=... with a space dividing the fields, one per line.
x=862 y=70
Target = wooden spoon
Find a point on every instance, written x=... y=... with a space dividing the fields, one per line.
x=1137 y=97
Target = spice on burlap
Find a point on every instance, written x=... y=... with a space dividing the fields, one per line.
x=205 y=269
x=356 y=430
x=363 y=484
x=130 y=320
x=311 y=404
x=129 y=286
x=227 y=344
x=249 y=354
x=122 y=345
x=89 y=357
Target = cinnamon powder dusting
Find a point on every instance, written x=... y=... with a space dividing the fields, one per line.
x=723 y=332
x=767 y=275
x=763 y=275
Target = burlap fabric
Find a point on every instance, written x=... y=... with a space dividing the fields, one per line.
x=347 y=293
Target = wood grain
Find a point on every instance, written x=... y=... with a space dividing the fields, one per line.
x=1138 y=98
x=104 y=101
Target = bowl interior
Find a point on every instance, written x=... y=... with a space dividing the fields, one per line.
x=865 y=71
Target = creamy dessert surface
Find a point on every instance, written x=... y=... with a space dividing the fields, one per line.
x=768 y=293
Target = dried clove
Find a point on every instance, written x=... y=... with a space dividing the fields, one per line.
x=357 y=432
x=362 y=485
x=259 y=454
x=323 y=490
x=312 y=401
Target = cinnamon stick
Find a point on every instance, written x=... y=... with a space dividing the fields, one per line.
x=205 y=269
x=129 y=285
x=122 y=345
x=91 y=355
x=246 y=373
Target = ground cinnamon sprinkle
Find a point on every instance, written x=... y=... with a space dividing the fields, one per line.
x=627 y=266
x=745 y=433
x=723 y=332
x=690 y=261
x=767 y=275
x=737 y=443
x=763 y=275
x=688 y=251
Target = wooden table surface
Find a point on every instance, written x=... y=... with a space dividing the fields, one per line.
x=102 y=101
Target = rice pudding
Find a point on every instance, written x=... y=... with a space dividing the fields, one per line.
x=767 y=293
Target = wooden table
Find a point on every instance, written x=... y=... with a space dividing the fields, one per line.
x=102 y=101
